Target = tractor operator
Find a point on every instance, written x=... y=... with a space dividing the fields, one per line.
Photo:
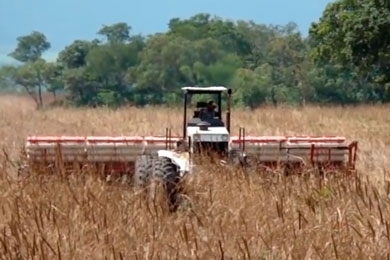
x=210 y=111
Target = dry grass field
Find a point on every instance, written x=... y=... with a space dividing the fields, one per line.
x=229 y=217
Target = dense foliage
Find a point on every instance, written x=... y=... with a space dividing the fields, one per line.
x=345 y=59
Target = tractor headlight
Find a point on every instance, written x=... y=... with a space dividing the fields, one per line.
x=224 y=138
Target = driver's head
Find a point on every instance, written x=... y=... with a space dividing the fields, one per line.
x=211 y=105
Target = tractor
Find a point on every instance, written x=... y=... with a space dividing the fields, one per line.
x=205 y=135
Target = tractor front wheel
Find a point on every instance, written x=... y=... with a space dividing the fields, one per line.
x=166 y=172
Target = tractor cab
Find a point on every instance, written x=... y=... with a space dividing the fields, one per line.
x=205 y=129
x=205 y=112
x=201 y=113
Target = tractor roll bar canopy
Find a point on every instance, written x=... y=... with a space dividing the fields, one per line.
x=188 y=90
x=204 y=90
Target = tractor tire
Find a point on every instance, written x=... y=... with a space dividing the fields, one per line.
x=143 y=171
x=166 y=172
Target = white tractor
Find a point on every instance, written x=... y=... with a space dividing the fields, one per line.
x=202 y=134
x=205 y=135
x=209 y=138
x=169 y=158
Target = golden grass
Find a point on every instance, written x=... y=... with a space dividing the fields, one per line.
x=229 y=216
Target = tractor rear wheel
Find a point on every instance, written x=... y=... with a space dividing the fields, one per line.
x=143 y=171
x=166 y=172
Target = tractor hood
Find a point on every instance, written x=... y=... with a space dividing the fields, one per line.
x=212 y=134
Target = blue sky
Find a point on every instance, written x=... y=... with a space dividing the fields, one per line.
x=64 y=21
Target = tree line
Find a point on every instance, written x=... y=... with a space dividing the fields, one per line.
x=345 y=59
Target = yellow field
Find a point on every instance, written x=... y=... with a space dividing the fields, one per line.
x=229 y=216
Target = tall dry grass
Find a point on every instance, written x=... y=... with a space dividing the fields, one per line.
x=228 y=216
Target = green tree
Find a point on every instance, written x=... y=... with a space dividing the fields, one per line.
x=344 y=60
x=251 y=87
x=81 y=88
x=34 y=77
x=108 y=65
x=74 y=55
x=52 y=75
x=30 y=47
x=95 y=72
x=158 y=72
x=355 y=35
x=116 y=33
x=31 y=75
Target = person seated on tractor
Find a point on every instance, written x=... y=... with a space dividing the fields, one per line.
x=210 y=111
